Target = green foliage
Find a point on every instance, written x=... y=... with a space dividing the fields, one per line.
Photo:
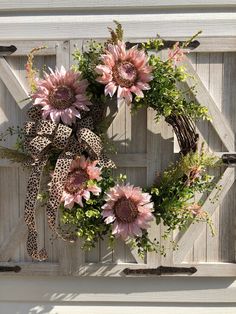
x=173 y=196
x=16 y=154
x=144 y=245
x=87 y=222
x=87 y=60
x=153 y=44
x=164 y=96
x=116 y=35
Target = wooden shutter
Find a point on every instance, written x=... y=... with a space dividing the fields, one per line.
x=13 y=179
x=144 y=149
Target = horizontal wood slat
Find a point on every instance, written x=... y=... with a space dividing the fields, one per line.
x=25 y=46
x=95 y=26
x=33 y=268
x=104 y=4
x=203 y=270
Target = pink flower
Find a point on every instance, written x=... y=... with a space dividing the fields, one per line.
x=196 y=211
x=81 y=182
x=176 y=54
x=62 y=96
x=128 y=209
x=124 y=71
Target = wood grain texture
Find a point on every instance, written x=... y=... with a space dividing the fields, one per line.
x=193 y=232
x=95 y=25
x=104 y=4
x=143 y=150
x=12 y=83
x=203 y=270
x=219 y=122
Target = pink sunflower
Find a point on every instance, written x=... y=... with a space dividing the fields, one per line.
x=124 y=71
x=81 y=181
x=128 y=209
x=62 y=96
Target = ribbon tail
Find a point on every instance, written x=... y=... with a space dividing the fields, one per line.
x=29 y=214
x=57 y=183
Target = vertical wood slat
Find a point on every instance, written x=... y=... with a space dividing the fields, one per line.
x=153 y=159
x=215 y=144
x=202 y=69
x=228 y=206
x=190 y=255
x=121 y=137
x=70 y=255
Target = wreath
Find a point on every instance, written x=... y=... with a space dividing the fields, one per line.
x=64 y=140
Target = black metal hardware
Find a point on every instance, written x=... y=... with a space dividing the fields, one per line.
x=161 y=270
x=167 y=44
x=7 y=50
x=229 y=159
x=15 y=269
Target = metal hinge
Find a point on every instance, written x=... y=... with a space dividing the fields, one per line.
x=15 y=269
x=7 y=50
x=161 y=270
x=229 y=159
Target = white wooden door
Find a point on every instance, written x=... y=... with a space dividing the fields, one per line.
x=144 y=148
x=13 y=179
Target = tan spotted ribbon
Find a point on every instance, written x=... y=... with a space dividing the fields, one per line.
x=40 y=137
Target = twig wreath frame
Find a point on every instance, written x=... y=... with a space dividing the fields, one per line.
x=65 y=140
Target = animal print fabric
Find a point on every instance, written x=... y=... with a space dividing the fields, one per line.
x=40 y=137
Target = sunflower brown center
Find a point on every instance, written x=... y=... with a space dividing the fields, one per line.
x=125 y=73
x=126 y=210
x=62 y=97
x=76 y=181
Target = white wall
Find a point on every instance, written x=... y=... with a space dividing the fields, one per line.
x=113 y=295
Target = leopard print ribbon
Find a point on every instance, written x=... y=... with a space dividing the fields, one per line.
x=40 y=137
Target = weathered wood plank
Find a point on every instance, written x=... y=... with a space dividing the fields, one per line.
x=228 y=206
x=187 y=240
x=153 y=169
x=17 y=234
x=203 y=127
x=25 y=46
x=219 y=122
x=215 y=144
x=133 y=160
x=17 y=90
x=94 y=25
x=33 y=268
x=203 y=270
x=103 y=4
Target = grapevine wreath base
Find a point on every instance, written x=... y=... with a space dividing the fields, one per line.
x=65 y=140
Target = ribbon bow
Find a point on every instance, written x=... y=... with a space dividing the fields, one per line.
x=40 y=137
